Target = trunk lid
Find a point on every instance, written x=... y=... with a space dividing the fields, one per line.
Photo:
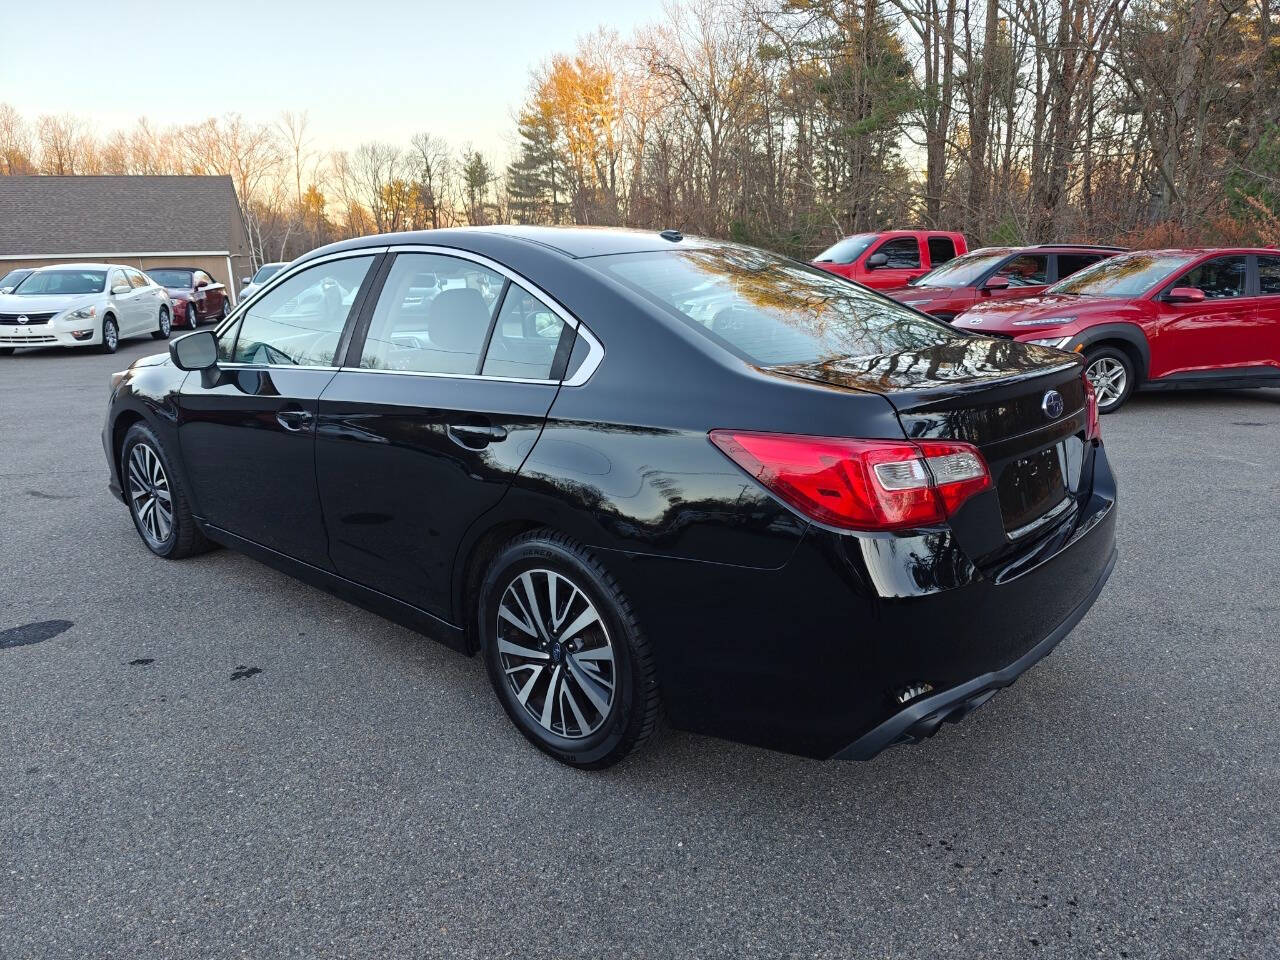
x=997 y=395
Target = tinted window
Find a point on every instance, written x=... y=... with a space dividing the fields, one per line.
x=771 y=310
x=171 y=278
x=941 y=249
x=301 y=321
x=1220 y=279
x=62 y=282
x=1128 y=275
x=1026 y=270
x=848 y=249
x=433 y=315
x=903 y=253
x=1268 y=275
x=1069 y=263
x=524 y=341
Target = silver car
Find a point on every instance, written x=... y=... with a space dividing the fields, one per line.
x=83 y=305
x=265 y=273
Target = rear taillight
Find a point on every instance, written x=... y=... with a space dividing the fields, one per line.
x=861 y=484
x=1093 y=429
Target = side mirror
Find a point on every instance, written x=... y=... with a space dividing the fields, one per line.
x=996 y=283
x=246 y=280
x=120 y=289
x=1185 y=295
x=876 y=260
x=195 y=351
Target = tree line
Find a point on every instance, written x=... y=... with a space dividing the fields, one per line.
x=789 y=123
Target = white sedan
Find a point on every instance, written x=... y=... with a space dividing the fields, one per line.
x=83 y=305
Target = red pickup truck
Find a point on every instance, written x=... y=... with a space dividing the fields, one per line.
x=890 y=258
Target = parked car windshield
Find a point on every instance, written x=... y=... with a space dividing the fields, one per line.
x=770 y=310
x=266 y=272
x=962 y=271
x=11 y=278
x=54 y=282
x=848 y=249
x=1129 y=275
x=171 y=278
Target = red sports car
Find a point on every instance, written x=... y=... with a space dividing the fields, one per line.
x=195 y=294
x=1156 y=319
x=995 y=273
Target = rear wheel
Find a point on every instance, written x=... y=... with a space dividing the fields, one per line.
x=156 y=498
x=164 y=326
x=1111 y=372
x=110 y=335
x=565 y=653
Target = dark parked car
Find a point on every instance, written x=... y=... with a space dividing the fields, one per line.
x=639 y=474
x=196 y=296
x=1157 y=320
x=995 y=273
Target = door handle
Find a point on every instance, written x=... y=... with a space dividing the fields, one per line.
x=475 y=436
x=294 y=419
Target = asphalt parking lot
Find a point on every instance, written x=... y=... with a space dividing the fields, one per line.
x=211 y=759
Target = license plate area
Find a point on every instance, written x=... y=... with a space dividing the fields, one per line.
x=1032 y=487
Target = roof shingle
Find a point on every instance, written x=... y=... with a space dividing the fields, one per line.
x=116 y=215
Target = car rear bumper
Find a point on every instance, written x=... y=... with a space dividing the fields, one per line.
x=859 y=642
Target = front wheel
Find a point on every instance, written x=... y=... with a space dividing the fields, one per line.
x=1111 y=372
x=156 y=498
x=164 y=327
x=110 y=335
x=565 y=653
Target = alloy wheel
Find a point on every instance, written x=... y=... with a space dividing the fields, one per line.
x=149 y=494
x=556 y=653
x=110 y=335
x=1109 y=380
x=166 y=325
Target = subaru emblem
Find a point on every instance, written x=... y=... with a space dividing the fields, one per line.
x=1052 y=404
x=24 y=319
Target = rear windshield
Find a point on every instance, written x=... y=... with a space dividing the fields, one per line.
x=963 y=271
x=1129 y=275
x=54 y=282
x=848 y=249
x=265 y=273
x=770 y=310
x=171 y=278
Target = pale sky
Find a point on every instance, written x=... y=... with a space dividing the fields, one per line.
x=371 y=70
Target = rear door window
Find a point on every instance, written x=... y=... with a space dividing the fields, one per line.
x=1221 y=278
x=136 y=279
x=903 y=253
x=525 y=338
x=1069 y=263
x=941 y=249
x=1269 y=276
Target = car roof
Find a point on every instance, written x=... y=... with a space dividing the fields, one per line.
x=1201 y=251
x=575 y=242
x=79 y=266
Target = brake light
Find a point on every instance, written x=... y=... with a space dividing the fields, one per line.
x=1093 y=429
x=861 y=484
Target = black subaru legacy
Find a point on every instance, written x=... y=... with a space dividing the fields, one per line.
x=644 y=476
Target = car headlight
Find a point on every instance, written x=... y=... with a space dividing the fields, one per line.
x=84 y=313
x=1058 y=342
x=1044 y=322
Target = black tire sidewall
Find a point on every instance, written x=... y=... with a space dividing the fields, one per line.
x=596 y=749
x=106 y=345
x=140 y=433
x=1130 y=374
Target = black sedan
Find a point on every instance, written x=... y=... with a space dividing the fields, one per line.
x=643 y=475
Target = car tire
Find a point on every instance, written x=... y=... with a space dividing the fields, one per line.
x=146 y=474
x=164 y=325
x=587 y=654
x=110 y=335
x=1111 y=372
x=7 y=351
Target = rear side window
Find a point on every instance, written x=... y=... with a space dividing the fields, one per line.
x=300 y=322
x=1026 y=270
x=941 y=249
x=136 y=279
x=770 y=310
x=433 y=315
x=1220 y=278
x=1268 y=276
x=903 y=253
x=1069 y=263
x=525 y=339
